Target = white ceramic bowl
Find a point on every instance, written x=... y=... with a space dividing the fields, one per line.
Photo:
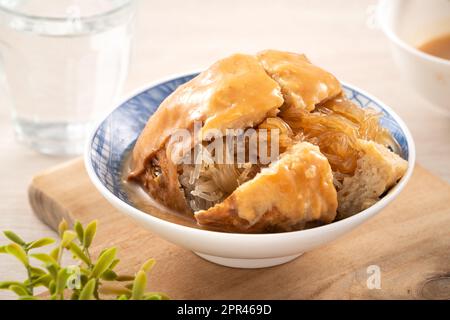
x=114 y=137
x=409 y=24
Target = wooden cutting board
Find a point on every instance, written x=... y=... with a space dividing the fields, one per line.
x=409 y=241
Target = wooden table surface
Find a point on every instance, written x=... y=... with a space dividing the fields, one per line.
x=174 y=36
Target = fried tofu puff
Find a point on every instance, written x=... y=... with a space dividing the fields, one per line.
x=233 y=93
x=378 y=169
x=291 y=193
x=303 y=84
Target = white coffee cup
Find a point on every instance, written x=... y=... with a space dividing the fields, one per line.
x=408 y=24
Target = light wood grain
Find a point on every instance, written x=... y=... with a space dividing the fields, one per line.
x=409 y=241
x=174 y=36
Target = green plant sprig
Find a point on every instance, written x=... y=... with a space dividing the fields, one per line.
x=87 y=280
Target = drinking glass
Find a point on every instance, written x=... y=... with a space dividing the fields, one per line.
x=63 y=62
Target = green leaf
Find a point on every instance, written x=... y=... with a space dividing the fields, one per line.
x=114 y=263
x=53 y=270
x=85 y=271
x=88 y=291
x=63 y=226
x=139 y=285
x=28 y=298
x=47 y=259
x=40 y=243
x=5 y=284
x=52 y=287
x=44 y=280
x=14 y=237
x=67 y=238
x=103 y=262
x=148 y=265
x=61 y=280
x=89 y=233
x=55 y=253
x=152 y=297
x=76 y=250
x=109 y=275
x=103 y=250
x=79 y=230
x=17 y=251
x=56 y=280
x=156 y=296
x=36 y=272
x=19 y=290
